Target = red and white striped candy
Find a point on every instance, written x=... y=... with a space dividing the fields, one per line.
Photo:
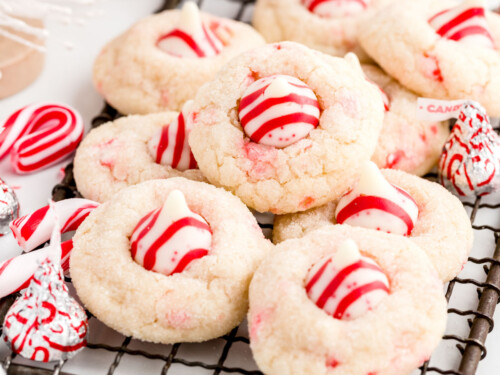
x=385 y=98
x=465 y=23
x=169 y=145
x=34 y=229
x=16 y=273
x=40 y=135
x=191 y=38
x=169 y=238
x=347 y=285
x=375 y=203
x=470 y=161
x=278 y=110
x=335 y=8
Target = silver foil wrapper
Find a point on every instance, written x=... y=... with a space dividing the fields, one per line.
x=470 y=161
x=9 y=207
x=46 y=324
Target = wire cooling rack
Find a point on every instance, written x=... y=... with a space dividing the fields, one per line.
x=470 y=320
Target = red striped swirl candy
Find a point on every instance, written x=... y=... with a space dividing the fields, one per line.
x=191 y=38
x=335 y=8
x=465 y=23
x=169 y=145
x=169 y=238
x=470 y=161
x=376 y=204
x=278 y=110
x=34 y=229
x=40 y=135
x=347 y=285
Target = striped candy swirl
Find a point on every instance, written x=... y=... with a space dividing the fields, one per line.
x=169 y=145
x=34 y=229
x=40 y=135
x=191 y=38
x=346 y=285
x=376 y=204
x=335 y=8
x=278 y=110
x=465 y=23
x=169 y=238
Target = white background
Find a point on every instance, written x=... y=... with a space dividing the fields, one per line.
x=67 y=78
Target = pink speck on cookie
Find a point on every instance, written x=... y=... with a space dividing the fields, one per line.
x=394 y=158
x=430 y=67
x=349 y=102
x=306 y=202
x=262 y=159
x=179 y=319
x=257 y=320
x=332 y=362
x=164 y=97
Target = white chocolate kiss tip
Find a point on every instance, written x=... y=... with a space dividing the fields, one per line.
x=372 y=181
x=190 y=20
x=278 y=88
x=175 y=206
x=353 y=60
x=347 y=253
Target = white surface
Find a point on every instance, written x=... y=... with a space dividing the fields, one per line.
x=67 y=78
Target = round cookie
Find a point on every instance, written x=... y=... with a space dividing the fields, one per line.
x=290 y=334
x=136 y=76
x=279 y=20
x=405 y=143
x=442 y=229
x=115 y=155
x=204 y=301
x=313 y=170
x=402 y=41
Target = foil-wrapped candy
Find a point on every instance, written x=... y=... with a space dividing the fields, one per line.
x=9 y=207
x=46 y=324
x=470 y=161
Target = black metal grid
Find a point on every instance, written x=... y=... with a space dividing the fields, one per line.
x=471 y=346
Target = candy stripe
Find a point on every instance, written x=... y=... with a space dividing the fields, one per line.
x=363 y=203
x=150 y=256
x=191 y=38
x=462 y=22
x=315 y=3
x=188 y=258
x=317 y=276
x=169 y=238
x=169 y=145
x=454 y=22
x=34 y=229
x=336 y=283
x=266 y=104
x=186 y=39
x=353 y=296
x=376 y=204
x=16 y=273
x=162 y=145
x=40 y=135
x=278 y=110
x=339 y=278
x=293 y=118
